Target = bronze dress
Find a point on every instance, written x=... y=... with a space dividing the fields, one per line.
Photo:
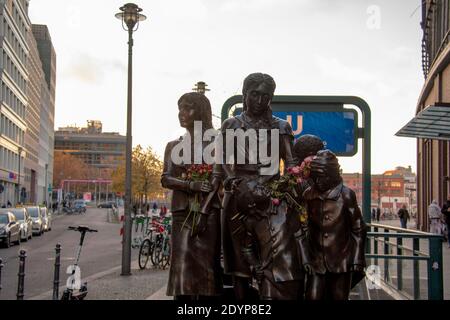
x=195 y=261
x=232 y=236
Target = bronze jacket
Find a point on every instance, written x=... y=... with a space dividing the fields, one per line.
x=335 y=236
x=171 y=178
x=276 y=249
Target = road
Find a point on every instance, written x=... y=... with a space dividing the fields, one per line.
x=101 y=251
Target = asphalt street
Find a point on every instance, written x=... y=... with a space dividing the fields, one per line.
x=101 y=251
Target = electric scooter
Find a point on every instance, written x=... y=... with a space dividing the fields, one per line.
x=72 y=293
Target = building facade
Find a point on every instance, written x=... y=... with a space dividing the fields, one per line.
x=36 y=78
x=47 y=57
x=103 y=151
x=15 y=27
x=431 y=124
x=390 y=190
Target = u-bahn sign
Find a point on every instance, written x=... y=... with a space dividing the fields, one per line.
x=334 y=124
x=326 y=117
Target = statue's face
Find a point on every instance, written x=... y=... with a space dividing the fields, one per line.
x=258 y=98
x=186 y=114
x=323 y=183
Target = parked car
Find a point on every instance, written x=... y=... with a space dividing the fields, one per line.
x=24 y=220
x=46 y=218
x=38 y=223
x=79 y=206
x=9 y=229
x=109 y=204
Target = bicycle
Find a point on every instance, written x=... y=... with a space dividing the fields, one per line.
x=71 y=292
x=162 y=249
x=148 y=244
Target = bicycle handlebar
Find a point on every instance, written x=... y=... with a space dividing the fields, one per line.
x=81 y=229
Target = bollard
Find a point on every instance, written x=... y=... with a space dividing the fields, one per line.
x=56 y=273
x=20 y=284
x=1 y=267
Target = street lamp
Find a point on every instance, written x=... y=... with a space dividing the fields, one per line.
x=130 y=17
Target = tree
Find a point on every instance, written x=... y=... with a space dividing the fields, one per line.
x=146 y=175
x=67 y=166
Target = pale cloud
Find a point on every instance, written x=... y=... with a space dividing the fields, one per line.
x=334 y=69
x=89 y=69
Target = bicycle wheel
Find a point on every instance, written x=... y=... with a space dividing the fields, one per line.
x=165 y=259
x=157 y=249
x=144 y=253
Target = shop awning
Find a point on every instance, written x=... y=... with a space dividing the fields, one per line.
x=431 y=123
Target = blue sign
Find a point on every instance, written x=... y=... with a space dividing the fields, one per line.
x=336 y=128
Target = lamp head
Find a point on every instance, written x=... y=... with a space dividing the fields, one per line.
x=130 y=15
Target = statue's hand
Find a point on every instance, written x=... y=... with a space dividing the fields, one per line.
x=308 y=269
x=318 y=167
x=357 y=268
x=200 y=186
x=200 y=227
x=258 y=273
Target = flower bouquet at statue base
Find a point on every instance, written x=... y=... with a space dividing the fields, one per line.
x=286 y=187
x=196 y=173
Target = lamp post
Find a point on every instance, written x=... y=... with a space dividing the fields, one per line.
x=130 y=16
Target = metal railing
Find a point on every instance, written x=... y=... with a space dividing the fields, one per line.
x=390 y=248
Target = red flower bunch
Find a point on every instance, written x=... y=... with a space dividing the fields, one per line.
x=199 y=172
x=196 y=172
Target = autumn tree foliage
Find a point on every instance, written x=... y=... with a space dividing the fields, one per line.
x=146 y=175
x=67 y=166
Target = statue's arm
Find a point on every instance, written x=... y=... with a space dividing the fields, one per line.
x=168 y=180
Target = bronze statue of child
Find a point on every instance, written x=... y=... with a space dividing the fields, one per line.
x=333 y=244
x=195 y=271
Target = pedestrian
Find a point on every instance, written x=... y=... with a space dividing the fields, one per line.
x=155 y=207
x=446 y=213
x=374 y=214
x=403 y=214
x=378 y=214
x=9 y=205
x=434 y=213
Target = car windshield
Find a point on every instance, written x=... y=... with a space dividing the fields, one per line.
x=34 y=212
x=3 y=219
x=79 y=203
x=18 y=213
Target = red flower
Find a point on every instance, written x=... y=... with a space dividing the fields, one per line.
x=276 y=202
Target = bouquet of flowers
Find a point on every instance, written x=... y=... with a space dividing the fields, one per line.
x=285 y=187
x=196 y=172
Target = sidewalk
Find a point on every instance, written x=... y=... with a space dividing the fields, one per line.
x=145 y=284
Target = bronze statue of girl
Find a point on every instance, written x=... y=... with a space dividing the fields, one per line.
x=195 y=271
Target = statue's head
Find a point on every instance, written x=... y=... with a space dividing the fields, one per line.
x=194 y=106
x=258 y=92
x=307 y=145
x=331 y=176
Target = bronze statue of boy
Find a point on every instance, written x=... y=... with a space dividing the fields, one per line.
x=333 y=244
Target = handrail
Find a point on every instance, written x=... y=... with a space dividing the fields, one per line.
x=380 y=235
x=384 y=226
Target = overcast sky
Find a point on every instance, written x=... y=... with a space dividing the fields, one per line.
x=365 y=48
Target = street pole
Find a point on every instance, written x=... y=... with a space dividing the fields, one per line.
x=126 y=242
x=130 y=17
x=18 y=178
x=46 y=185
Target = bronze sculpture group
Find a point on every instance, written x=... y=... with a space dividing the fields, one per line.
x=293 y=236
